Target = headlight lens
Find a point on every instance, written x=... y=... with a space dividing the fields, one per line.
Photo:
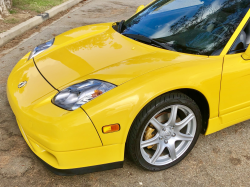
x=77 y=95
x=41 y=48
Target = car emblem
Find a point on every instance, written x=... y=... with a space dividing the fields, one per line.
x=22 y=84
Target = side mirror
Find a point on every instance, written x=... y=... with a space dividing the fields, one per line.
x=140 y=8
x=246 y=55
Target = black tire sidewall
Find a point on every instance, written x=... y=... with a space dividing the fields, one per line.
x=186 y=102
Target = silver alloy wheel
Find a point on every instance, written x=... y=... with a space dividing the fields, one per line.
x=174 y=132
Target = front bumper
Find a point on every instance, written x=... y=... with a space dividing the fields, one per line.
x=78 y=161
x=62 y=139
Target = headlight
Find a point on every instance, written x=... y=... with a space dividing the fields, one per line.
x=41 y=48
x=77 y=95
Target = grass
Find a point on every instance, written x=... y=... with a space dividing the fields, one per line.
x=13 y=11
x=38 y=6
x=11 y=21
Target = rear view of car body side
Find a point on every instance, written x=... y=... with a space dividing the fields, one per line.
x=94 y=77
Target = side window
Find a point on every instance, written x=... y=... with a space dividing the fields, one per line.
x=241 y=43
x=247 y=31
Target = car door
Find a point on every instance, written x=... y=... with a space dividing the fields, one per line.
x=235 y=85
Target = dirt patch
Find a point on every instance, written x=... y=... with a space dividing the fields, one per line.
x=216 y=150
x=14 y=167
x=8 y=144
x=247 y=157
x=3 y=134
x=23 y=10
x=10 y=127
x=20 y=38
x=15 y=19
x=108 y=12
x=235 y=161
x=4 y=160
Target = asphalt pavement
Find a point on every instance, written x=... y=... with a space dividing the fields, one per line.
x=220 y=159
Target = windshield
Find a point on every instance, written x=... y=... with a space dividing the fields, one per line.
x=190 y=26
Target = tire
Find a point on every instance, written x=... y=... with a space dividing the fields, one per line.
x=157 y=139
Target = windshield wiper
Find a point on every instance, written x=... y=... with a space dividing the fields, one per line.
x=148 y=40
x=120 y=26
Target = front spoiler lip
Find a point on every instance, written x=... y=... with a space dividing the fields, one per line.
x=83 y=170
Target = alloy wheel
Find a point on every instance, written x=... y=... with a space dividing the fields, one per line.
x=168 y=134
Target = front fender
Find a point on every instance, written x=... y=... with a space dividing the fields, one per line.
x=122 y=104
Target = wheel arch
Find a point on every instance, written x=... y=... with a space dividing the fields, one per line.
x=199 y=99
x=202 y=103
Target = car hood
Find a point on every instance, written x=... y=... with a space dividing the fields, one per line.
x=99 y=52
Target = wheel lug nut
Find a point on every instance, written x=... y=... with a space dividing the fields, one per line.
x=173 y=134
x=160 y=138
x=164 y=129
x=166 y=141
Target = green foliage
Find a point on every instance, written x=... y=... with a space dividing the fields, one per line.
x=12 y=11
x=36 y=5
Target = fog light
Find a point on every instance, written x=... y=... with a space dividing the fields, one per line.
x=111 y=128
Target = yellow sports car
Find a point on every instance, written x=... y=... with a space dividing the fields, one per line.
x=148 y=85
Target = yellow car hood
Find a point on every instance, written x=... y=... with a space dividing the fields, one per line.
x=99 y=52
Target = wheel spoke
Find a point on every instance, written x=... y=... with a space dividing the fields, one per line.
x=158 y=152
x=171 y=149
x=184 y=122
x=184 y=137
x=156 y=124
x=174 y=129
x=173 y=115
x=152 y=141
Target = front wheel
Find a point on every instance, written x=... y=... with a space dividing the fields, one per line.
x=164 y=132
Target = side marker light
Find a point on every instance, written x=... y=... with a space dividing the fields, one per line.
x=111 y=128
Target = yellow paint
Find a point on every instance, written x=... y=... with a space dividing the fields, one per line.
x=234 y=106
x=122 y=104
x=77 y=158
x=140 y=8
x=68 y=139
x=246 y=55
x=53 y=127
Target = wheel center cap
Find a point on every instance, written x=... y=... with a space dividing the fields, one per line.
x=166 y=133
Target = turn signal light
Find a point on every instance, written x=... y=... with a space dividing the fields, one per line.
x=111 y=128
x=97 y=93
